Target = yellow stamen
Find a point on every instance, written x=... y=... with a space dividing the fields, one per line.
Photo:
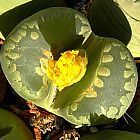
x=67 y=70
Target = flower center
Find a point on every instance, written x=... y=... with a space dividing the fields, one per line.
x=68 y=69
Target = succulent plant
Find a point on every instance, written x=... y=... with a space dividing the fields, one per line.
x=12 y=127
x=55 y=60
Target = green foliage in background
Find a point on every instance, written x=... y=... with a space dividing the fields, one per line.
x=119 y=19
x=12 y=127
x=13 y=12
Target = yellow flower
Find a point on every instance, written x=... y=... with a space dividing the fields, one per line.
x=67 y=70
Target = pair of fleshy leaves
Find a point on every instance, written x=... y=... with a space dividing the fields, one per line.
x=111 y=72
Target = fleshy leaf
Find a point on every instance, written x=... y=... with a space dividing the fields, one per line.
x=54 y=30
x=104 y=92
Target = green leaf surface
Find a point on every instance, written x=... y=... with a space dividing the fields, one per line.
x=131 y=9
x=112 y=135
x=12 y=127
